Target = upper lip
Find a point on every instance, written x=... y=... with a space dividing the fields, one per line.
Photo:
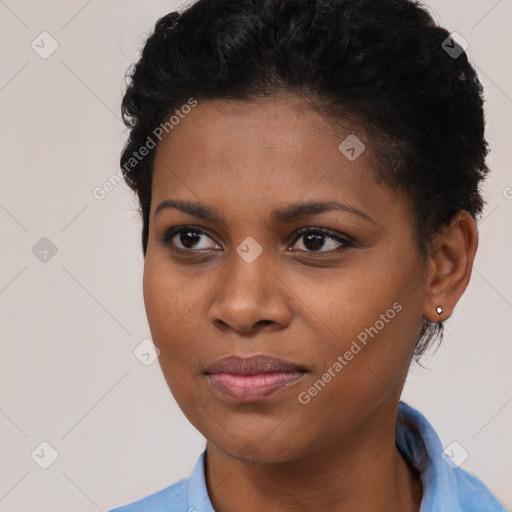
x=253 y=365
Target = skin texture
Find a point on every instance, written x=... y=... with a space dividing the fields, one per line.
x=307 y=306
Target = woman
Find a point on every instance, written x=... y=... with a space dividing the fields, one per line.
x=308 y=175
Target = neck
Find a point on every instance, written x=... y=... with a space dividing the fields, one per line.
x=364 y=471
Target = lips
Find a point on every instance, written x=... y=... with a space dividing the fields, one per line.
x=253 y=378
x=254 y=365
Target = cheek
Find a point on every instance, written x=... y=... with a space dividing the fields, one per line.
x=371 y=318
x=364 y=366
x=169 y=306
x=169 y=297
x=340 y=304
x=174 y=302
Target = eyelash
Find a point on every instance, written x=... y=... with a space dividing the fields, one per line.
x=345 y=243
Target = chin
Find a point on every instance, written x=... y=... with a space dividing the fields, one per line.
x=261 y=451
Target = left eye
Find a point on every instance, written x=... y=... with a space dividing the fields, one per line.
x=315 y=239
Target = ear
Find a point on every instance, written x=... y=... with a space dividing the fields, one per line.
x=450 y=265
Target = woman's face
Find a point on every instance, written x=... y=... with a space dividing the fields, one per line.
x=343 y=307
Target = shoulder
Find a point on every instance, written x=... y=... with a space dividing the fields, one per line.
x=186 y=494
x=473 y=495
x=446 y=486
x=170 y=499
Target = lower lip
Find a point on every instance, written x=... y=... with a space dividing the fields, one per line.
x=250 y=388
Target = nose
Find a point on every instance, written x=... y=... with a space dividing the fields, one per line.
x=250 y=296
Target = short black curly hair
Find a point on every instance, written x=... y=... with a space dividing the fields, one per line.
x=384 y=64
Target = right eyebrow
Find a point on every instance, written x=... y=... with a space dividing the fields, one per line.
x=195 y=209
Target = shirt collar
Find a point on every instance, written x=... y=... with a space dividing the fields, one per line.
x=419 y=444
x=197 y=494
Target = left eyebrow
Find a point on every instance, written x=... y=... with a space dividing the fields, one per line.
x=287 y=214
x=300 y=210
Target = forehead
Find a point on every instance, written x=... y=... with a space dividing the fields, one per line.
x=251 y=155
x=282 y=125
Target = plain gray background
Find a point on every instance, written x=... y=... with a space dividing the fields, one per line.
x=71 y=320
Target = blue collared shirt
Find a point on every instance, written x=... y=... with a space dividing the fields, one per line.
x=446 y=487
